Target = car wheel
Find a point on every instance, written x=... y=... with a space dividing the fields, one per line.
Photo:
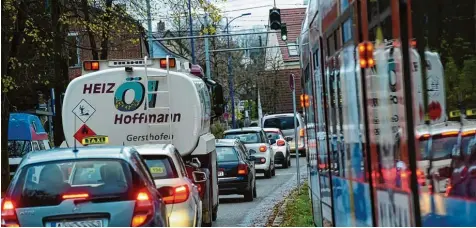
x=215 y=214
x=285 y=163
x=254 y=191
x=273 y=171
x=289 y=159
x=267 y=173
x=249 y=195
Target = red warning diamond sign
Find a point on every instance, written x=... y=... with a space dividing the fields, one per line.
x=83 y=132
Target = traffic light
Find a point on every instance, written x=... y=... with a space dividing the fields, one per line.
x=366 y=55
x=275 y=18
x=284 y=32
x=304 y=100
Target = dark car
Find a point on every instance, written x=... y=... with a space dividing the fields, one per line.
x=95 y=186
x=236 y=169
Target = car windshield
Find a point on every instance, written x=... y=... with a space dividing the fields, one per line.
x=244 y=137
x=160 y=166
x=18 y=148
x=226 y=154
x=273 y=135
x=45 y=184
x=281 y=122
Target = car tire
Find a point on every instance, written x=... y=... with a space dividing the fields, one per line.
x=249 y=195
x=273 y=171
x=289 y=159
x=285 y=163
x=215 y=214
x=267 y=173
x=254 y=191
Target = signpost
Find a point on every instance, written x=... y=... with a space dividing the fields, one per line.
x=292 y=79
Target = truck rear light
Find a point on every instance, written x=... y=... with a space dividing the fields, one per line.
x=242 y=169
x=163 y=63
x=280 y=142
x=143 y=209
x=9 y=216
x=263 y=148
x=91 y=65
x=301 y=132
x=174 y=195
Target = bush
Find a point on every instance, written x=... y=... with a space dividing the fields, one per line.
x=217 y=130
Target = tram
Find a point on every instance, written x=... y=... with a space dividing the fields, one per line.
x=391 y=119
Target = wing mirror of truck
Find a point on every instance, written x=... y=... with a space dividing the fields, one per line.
x=288 y=138
x=272 y=141
x=199 y=177
x=195 y=163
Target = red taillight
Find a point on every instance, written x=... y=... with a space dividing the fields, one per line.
x=9 y=216
x=76 y=196
x=242 y=169
x=142 y=210
x=280 y=142
x=263 y=160
x=91 y=65
x=262 y=148
x=173 y=195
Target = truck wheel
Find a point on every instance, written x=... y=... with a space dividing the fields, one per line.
x=249 y=195
x=215 y=214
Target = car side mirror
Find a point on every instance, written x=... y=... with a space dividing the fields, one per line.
x=199 y=177
x=272 y=141
x=288 y=139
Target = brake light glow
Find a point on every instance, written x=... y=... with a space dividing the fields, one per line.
x=163 y=63
x=142 y=210
x=301 y=132
x=450 y=133
x=76 y=196
x=470 y=132
x=262 y=148
x=280 y=142
x=174 y=195
x=91 y=65
x=242 y=169
x=9 y=216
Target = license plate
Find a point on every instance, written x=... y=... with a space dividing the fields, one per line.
x=86 y=223
x=221 y=173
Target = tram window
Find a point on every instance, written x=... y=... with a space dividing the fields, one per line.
x=316 y=59
x=347 y=30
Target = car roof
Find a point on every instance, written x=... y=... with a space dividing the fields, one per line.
x=155 y=149
x=255 y=129
x=271 y=129
x=58 y=154
x=281 y=115
x=226 y=142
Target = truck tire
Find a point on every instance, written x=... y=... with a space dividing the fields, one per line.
x=215 y=214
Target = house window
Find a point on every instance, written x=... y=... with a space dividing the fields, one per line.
x=292 y=49
x=74 y=50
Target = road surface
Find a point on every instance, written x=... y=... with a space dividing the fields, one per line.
x=232 y=210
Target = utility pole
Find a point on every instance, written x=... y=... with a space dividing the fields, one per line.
x=207 y=53
x=191 y=30
x=230 y=80
x=149 y=27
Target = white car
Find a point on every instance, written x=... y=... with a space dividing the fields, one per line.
x=285 y=122
x=180 y=194
x=281 y=150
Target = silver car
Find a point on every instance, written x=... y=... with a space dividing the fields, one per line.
x=285 y=122
x=258 y=145
x=180 y=194
x=93 y=187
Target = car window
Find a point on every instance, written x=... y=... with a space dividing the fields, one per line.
x=244 y=137
x=227 y=154
x=181 y=164
x=144 y=168
x=281 y=122
x=273 y=135
x=161 y=166
x=35 y=146
x=45 y=184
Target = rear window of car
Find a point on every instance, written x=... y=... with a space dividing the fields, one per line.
x=244 y=137
x=281 y=122
x=273 y=135
x=226 y=154
x=160 y=166
x=44 y=184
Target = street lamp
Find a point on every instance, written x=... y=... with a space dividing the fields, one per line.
x=230 y=78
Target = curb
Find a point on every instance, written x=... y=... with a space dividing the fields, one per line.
x=280 y=216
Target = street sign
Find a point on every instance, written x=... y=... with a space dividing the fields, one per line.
x=291 y=81
x=84 y=132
